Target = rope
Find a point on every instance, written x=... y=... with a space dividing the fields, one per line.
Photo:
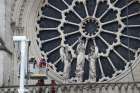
x=129 y=42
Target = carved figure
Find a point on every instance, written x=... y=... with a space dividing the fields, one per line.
x=80 y=59
x=83 y=1
x=92 y=59
x=66 y=57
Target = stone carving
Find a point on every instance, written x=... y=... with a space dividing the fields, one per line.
x=83 y=1
x=94 y=23
x=66 y=56
x=92 y=56
x=3 y=46
x=80 y=59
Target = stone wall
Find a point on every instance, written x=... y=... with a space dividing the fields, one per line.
x=6 y=49
x=17 y=14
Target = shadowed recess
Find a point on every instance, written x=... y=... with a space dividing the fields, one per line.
x=79 y=8
x=111 y=26
x=51 y=12
x=117 y=61
x=110 y=38
x=54 y=56
x=59 y=66
x=86 y=71
x=132 y=32
x=133 y=8
x=130 y=42
x=72 y=17
x=121 y=3
x=101 y=45
x=47 y=23
x=135 y=20
x=90 y=6
x=58 y=3
x=98 y=71
x=72 y=38
x=48 y=34
x=102 y=7
x=107 y=68
x=50 y=45
x=89 y=45
x=125 y=53
x=110 y=15
x=68 y=28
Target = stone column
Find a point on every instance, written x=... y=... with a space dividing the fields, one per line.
x=5 y=43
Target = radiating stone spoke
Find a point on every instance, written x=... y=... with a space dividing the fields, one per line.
x=108 y=22
x=44 y=29
x=124 y=60
x=109 y=32
x=68 y=22
x=48 y=40
x=73 y=10
x=104 y=13
x=137 y=38
x=54 y=7
x=55 y=19
x=53 y=50
x=77 y=15
x=86 y=9
x=107 y=10
x=56 y=62
x=101 y=68
x=75 y=43
x=128 y=4
x=94 y=42
x=111 y=63
x=86 y=42
x=130 y=15
x=95 y=10
x=71 y=33
x=132 y=26
x=123 y=45
x=104 y=40
x=115 y=2
x=65 y=3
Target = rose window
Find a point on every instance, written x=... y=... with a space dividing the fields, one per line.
x=112 y=25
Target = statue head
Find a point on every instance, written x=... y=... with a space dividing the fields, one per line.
x=92 y=48
x=81 y=41
x=67 y=47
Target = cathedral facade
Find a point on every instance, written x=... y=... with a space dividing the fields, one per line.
x=112 y=25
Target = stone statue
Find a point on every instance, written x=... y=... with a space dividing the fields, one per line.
x=83 y=1
x=92 y=66
x=80 y=59
x=66 y=57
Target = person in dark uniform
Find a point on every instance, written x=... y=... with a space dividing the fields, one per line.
x=40 y=83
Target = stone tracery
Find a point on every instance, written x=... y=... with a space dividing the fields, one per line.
x=70 y=24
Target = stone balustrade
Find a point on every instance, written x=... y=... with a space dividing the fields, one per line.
x=121 y=87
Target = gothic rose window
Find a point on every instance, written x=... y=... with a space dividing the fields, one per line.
x=112 y=25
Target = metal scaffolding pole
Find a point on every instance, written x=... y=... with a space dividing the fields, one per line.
x=23 y=66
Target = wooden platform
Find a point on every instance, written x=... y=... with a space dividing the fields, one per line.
x=38 y=76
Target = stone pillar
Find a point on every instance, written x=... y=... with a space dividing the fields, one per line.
x=6 y=44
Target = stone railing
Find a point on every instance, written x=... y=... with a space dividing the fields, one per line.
x=123 y=87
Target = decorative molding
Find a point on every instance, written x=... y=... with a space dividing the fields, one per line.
x=3 y=47
x=24 y=20
x=17 y=15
